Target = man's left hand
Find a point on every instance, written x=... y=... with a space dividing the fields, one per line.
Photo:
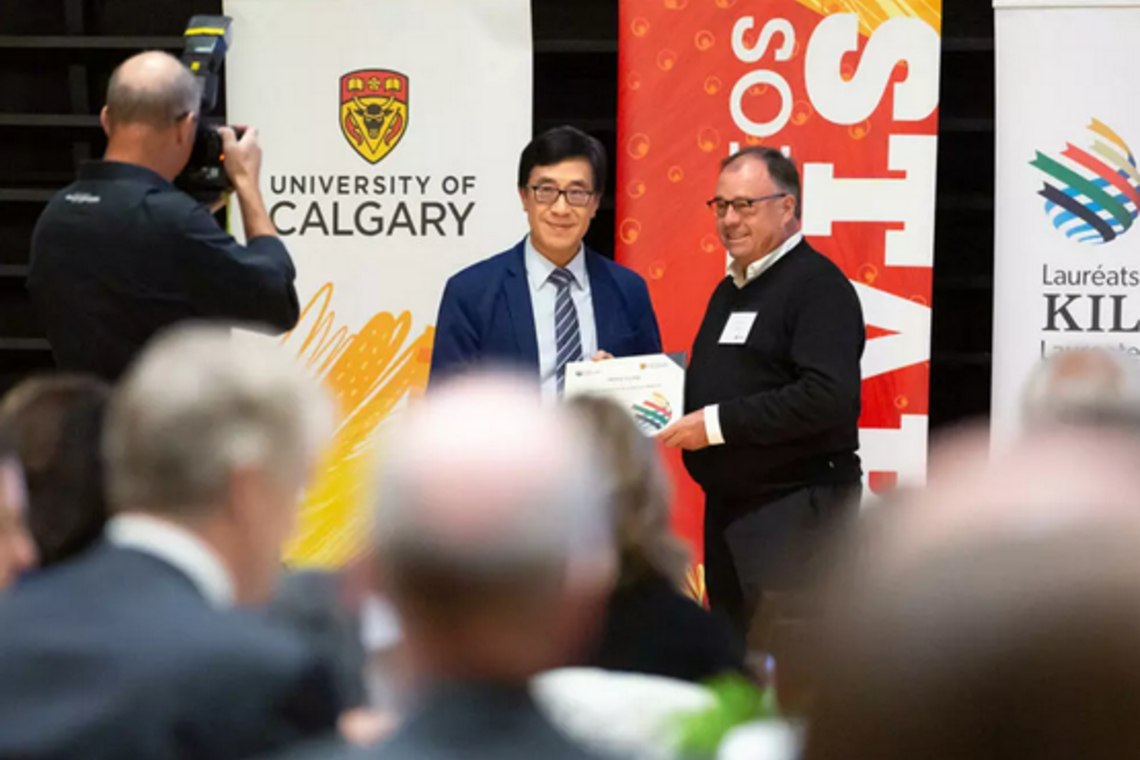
x=687 y=433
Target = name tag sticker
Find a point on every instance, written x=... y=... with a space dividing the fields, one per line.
x=737 y=328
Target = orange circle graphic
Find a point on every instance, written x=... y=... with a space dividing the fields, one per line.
x=713 y=85
x=676 y=5
x=666 y=60
x=859 y=131
x=636 y=189
x=801 y=112
x=710 y=243
x=868 y=273
x=708 y=139
x=633 y=81
x=638 y=145
x=630 y=231
x=676 y=174
x=901 y=402
x=639 y=26
x=657 y=270
x=704 y=40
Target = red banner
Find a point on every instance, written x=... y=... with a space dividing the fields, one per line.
x=848 y=89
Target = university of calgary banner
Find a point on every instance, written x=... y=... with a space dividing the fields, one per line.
x=847 y=88
x=1066 y=259
x=391 y=131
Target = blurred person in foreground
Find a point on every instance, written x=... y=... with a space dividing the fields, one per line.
x=17 y=551
x=57 y=421
x=499 y=569
x=1083 y=387
x=651 y=626
x=121 y=253
x=1024 y=645
x=132 y=650
x=992 y=614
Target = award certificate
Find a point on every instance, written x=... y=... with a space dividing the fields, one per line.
x=651 y=388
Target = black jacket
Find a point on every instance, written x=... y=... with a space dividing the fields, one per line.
x=121 y=254
x=117 y=656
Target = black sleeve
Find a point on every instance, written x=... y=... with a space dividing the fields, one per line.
x=229 y=281
x=827 y=336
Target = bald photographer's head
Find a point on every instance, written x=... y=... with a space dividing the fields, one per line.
x=151 y=115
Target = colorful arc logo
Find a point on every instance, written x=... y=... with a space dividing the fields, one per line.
x=653 y=414
x=1092 y=195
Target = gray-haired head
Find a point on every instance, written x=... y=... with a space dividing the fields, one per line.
x=1083 y=387
x=486 y=491
x=781 y=169
x=198 y=406
x=152 y=88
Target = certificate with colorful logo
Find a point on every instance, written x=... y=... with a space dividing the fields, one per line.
x=650 y=388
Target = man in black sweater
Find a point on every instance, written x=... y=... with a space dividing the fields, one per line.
x=772 y=394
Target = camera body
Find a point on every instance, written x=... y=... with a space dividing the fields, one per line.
x=205 y=44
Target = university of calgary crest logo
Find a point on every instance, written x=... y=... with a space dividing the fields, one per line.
x=373 y=111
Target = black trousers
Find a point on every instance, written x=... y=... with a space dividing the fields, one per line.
x=754 y=551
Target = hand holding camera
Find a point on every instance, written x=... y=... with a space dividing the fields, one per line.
x=242 y=156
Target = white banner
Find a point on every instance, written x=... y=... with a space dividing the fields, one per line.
x=1067 y=256
x=391 y=132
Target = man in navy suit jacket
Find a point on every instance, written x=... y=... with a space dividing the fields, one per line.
x=506 y=310
x=131 y=651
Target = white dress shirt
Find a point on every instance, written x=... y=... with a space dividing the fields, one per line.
x=543 y=294
x=178 y=548
x=740 y=279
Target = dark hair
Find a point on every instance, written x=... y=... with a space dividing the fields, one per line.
x=57 y=423
x=781 y=169
x=562 y=144
x=8 y=448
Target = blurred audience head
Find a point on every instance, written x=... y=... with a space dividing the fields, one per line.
x=1021 y=645
x=17 y=552
x=492 y=535
x=993 y=614
x=638 y=491
x=1083 y=387
x=219 y=436
x=151 y=115
x=57 y=421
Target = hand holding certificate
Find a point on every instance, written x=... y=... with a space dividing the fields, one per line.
x=651 y=388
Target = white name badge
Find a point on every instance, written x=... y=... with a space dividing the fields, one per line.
x=737 y=328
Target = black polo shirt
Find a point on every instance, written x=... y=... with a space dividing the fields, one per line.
x=121 y=254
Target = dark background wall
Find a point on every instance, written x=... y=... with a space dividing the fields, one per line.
x=56 y=57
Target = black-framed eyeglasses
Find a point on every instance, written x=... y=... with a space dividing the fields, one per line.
x=742 y=206
x=548 y=195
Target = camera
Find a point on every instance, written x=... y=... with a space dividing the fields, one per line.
x=205 y=44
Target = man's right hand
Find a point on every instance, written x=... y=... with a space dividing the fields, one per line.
x=243 y=165
x=242 y=157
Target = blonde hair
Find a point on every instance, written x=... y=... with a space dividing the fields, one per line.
x=639 y=493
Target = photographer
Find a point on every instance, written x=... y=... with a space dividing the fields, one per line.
x=122 y=253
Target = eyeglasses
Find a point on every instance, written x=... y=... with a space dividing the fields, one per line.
x=548 y=195
x=742 y=206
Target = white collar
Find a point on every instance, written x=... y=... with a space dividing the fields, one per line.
x=539 y=268
x=760 y=266
x=178 y=548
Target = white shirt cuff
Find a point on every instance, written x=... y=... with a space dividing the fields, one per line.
x=712 y=425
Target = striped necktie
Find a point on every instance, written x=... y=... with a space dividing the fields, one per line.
x=567 y=336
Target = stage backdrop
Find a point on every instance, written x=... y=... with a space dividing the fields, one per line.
x=1067 y=259
x=391 y=134
x=849 y=88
